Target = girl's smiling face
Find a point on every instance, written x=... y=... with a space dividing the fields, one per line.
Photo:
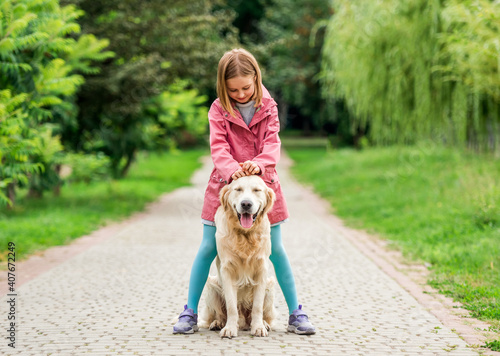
x=241 y=89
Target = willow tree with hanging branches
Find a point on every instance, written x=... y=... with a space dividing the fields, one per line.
x=417 y=69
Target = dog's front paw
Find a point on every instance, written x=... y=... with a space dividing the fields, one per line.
x=229 y=331
x=216 y=325
x=259 y=329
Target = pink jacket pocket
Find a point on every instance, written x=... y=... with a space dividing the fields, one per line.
x=270 y=177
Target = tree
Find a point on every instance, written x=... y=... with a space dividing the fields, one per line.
x=16 y=146
x=288 y=45
x=156 y=42
x=416 y=70
x=181 y=115
x=472 y=55
x=248 y=15
x=41 y=68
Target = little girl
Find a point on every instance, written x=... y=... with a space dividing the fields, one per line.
x=244 y=140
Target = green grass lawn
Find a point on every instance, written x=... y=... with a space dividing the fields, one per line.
x=436 y=205
x=35 y=224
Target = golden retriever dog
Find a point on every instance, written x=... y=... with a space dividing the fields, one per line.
x=241 y=296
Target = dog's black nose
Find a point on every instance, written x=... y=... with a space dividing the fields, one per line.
x=246 y=204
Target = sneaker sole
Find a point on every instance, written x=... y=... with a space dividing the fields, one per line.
x=294 y=329
x=195 y=328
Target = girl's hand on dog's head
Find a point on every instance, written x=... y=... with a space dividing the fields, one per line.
x=239 y=173
x=250 y=167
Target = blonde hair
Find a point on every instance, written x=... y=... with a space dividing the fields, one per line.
x=237 y=63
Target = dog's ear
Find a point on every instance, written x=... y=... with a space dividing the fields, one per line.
x=270 y=199
x=224 y=196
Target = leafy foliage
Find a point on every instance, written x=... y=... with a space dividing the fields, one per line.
x=471 y=44
x=248 y=14
x=180 y=114
x=155 y=42
x=42 y=60
x=39 y=58
x=288 y=46
x=86 y=167
x=493 y=345
x=49 y=154
x=417 y=69
x=17 y=144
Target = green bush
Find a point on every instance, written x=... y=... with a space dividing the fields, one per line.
x=49 y=154
x=180 y=114
x=42 y=59
x=86 y=167
x=17 y=144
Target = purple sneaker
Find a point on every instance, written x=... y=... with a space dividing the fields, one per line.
x=187 y=323
x=299 y=323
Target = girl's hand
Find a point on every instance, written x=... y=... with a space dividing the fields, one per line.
x=239 y=173
x=250 y=167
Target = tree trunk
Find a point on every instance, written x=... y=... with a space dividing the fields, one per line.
x=33 y=193
x=358 y=135
x=130 y=160
x=11 y=194
x=57 y=188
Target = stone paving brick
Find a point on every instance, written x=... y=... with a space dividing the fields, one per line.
x=120 y=296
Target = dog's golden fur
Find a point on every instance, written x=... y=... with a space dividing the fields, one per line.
x=241 y=296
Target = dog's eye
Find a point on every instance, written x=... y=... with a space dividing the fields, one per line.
x=238 y=189
x=257 y=190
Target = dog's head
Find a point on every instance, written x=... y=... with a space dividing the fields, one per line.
x=247 y=199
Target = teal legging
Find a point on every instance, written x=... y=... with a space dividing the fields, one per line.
x=208 y=251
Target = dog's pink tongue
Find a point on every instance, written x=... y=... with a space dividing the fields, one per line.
x=246 y=221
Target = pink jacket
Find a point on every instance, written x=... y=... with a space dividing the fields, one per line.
x=232 y=141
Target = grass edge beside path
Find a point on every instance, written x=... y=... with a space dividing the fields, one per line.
x=439 y=207
x=36 y=224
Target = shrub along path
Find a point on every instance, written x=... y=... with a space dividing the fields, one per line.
x=120 y=295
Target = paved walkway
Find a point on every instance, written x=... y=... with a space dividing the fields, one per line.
x=119 y=296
